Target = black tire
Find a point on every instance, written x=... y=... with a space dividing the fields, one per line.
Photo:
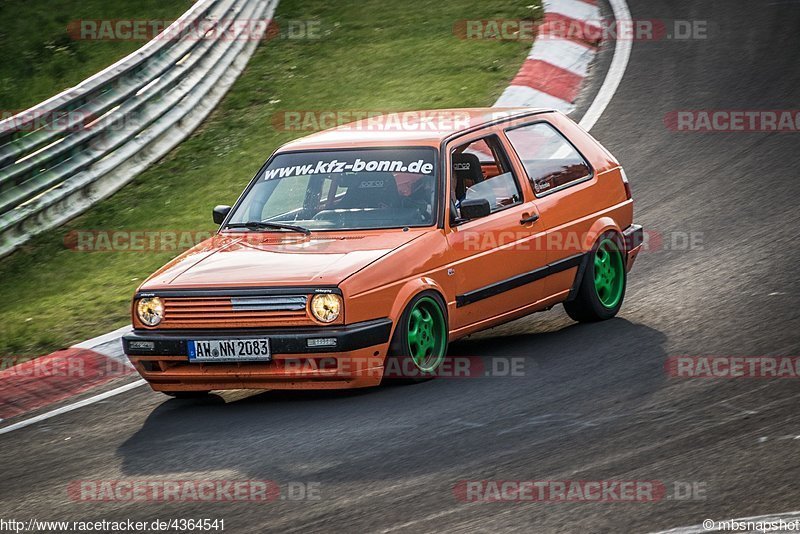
x=587 y=307
x=187 y=394
x=400 y=366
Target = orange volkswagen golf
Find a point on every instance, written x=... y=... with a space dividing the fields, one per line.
x=360 y=252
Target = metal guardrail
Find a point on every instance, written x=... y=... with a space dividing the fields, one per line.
x=53 y=165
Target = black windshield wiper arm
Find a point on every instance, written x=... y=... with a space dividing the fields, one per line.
x=260 y=225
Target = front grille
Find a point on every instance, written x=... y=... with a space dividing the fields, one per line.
x=236 y=312
x=276 y=303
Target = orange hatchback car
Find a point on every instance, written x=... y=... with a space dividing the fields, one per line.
x=359 y=253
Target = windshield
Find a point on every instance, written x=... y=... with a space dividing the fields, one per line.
x=343 y=190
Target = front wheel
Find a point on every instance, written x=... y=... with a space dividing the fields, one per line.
x=602 y=287
x=419 y=344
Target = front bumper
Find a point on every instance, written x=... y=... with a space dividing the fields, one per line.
x=283 y=341
x=356 y=360
x=634 y=238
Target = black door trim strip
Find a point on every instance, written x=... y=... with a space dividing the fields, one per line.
x=519 y=280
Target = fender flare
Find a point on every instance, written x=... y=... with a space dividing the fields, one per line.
x=601 y=226
x=408 y=291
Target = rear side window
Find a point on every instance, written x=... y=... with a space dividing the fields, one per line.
x=550 y=161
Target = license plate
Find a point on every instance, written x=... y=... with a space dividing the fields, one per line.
x=229 y=350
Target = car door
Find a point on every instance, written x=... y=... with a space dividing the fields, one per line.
x=566 y=191
x=496 y=257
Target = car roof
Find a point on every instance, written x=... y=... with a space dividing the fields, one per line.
x=406 y=128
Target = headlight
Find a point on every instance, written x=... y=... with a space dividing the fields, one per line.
x=150 y=310
x=326 y=307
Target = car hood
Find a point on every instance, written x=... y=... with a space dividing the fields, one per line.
x=277 y=259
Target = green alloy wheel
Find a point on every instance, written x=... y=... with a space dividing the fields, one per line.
x=419 y=345
x=427 y=334
x=601 y=289
x=609 y=273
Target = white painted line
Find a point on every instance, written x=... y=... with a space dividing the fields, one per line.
x=565 y=54
x=574 y=9
x=105 y=338
x=622 y=53
x=73 y=406
x=524 y=96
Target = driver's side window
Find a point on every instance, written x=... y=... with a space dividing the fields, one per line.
x=480 y=170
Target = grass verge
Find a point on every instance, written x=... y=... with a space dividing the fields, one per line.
x=369 y=55
x=39 y=58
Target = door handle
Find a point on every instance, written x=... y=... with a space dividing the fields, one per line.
x=529 y=218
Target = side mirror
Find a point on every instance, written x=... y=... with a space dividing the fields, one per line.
x=220 y=212
x=475 y=208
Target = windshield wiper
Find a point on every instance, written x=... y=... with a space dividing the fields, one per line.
x=261 y=225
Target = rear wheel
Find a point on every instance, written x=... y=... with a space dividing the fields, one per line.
x=602 y=288
x=420 y=340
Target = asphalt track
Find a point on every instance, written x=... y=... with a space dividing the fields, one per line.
x=594 y=402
